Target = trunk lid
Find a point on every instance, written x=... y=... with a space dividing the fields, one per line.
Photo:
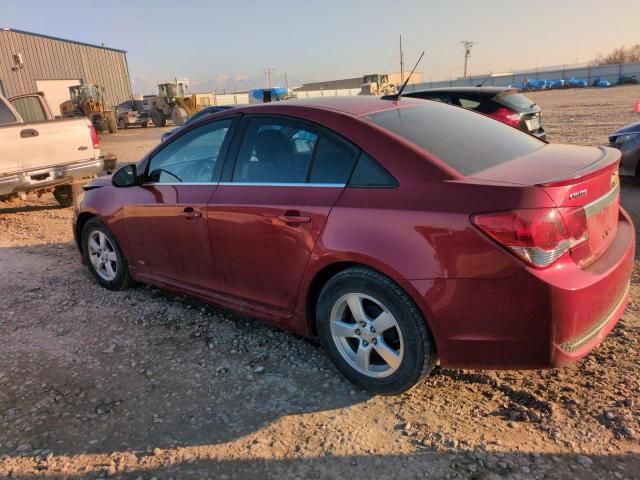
x=583 y=183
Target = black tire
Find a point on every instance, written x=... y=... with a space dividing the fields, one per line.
x=110 y=121
x=419 y=357
x=67 y=195
x=122 y=278
x=122 y=125
x=144 y=125
x=99 y=124
x=158 y=118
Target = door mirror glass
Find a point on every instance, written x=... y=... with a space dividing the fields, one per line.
x=125 y=176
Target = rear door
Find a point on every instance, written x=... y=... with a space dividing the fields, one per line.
x=165 y=218
x=266 y=217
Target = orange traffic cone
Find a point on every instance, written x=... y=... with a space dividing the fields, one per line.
x=636 y=108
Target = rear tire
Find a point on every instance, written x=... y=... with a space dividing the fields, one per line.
x=389 y=359
x=103 y=256
x=67 y=195
x=122 y=125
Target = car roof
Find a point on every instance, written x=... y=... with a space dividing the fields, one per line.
x=476 y=90
x=357 y=105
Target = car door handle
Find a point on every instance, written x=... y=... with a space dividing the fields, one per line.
x=28 y=132
x=190 y=213
x=294 y=218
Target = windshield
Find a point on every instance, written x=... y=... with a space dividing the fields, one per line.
x=467 y=141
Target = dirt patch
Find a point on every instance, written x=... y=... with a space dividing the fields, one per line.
x=145 y=383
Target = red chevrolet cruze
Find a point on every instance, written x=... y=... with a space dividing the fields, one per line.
x=398 y=232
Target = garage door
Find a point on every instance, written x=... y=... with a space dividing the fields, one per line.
x=56 y=92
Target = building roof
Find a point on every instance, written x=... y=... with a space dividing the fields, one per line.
x=7 y=29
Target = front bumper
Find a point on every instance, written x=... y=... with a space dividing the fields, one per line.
x=535 y=319
x=50 y=176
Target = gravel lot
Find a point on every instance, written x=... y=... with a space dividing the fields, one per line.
x=146 y=384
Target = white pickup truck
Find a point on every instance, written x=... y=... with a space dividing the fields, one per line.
x=40 y=154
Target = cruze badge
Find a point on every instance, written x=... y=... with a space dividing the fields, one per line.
x=615 y=179
x=578 y=194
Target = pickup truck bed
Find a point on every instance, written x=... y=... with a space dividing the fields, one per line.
x=45 y=155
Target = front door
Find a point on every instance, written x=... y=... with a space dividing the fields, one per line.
x=166 y=218
x=265 y=220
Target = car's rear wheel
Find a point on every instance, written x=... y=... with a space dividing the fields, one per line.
x=374 y=332
x=103 y=256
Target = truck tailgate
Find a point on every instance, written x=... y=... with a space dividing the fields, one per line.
x=29 y=146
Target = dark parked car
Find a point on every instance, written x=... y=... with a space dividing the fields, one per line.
x=505 y=104
x=627 y=140
x=202 y=113
x=396 y=232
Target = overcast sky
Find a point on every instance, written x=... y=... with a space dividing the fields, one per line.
x=229 y=44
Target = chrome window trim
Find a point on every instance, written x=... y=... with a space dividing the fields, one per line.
x=248 y=184
x=603 y=202
x=173 y=184
x=283 y=184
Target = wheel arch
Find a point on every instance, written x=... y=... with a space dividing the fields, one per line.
x=81 y=221
x=320 y=278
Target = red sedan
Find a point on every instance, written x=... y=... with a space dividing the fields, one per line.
x=398 y=232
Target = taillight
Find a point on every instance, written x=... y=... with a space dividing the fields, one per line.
x=95 y=138
x=506 y=115
x=538 y=236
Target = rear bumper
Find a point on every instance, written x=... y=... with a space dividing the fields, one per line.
x=50 y=176
x=535 y=319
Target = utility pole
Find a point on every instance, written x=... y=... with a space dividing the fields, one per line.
x=268 y=72
x=467 y=44
x=401 y=62
x=286 y=81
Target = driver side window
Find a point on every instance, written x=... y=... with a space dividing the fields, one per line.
x=190 y=158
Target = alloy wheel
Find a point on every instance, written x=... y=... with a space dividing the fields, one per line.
x=102 y=255
x=367 y=335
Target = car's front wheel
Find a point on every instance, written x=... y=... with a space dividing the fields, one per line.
x=103 y=256
x=374 y=332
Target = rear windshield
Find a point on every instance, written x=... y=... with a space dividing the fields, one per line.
x=517 y=101
x=467 y=141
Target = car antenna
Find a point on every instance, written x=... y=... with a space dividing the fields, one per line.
x=397 y=96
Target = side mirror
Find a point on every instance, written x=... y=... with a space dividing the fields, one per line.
x=125 y=176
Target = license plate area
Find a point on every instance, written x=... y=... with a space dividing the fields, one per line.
x=533 y=124
x=602 y=222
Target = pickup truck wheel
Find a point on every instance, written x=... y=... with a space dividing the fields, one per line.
x=99 y=124
x=144 y=125
x=122 y=124
x=374 y=332
x=104 y=257
x=66 y=195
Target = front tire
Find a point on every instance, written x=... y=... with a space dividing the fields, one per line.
x=374 y=332
x=103 y=256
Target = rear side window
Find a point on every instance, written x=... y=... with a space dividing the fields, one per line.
x=333 y=161
x=369 y=173
x=5 y=114
x=30 y=109
x=466 y=141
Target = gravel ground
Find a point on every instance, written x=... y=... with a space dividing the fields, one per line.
x=146 y=384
